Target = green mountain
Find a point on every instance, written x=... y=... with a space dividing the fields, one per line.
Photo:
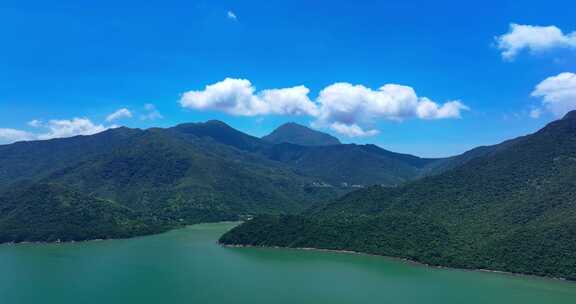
x=351 y=164
x=294 y=133
x=169 y=175
x=125 y=182
x=52 y=212
x=219 y=132
x=33 y=160
x=338 y=165
x=510 y=208
x=190 y=173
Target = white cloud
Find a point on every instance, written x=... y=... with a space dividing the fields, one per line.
x=239 y=97
x=428 y=109
x=54 y=129
x=233 y=96
x=344 y=107
x=151 y=113
x=352 y=130
x=534 y=39
x=12 y=135
x=558 y=93
x=535 y=113
x=72 y=127
x=231 y=15
x=35 y=123
x=357 y=105
x=291 y=101
x=119 y=114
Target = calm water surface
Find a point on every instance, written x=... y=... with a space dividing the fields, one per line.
x=187 y=266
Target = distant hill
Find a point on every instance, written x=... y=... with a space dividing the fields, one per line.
x=512 y=207
x=294 y=133
x=351 y=164
x=219 y=132
x=339 y=165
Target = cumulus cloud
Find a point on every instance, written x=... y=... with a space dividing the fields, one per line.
x=54 y=129
x=558 y=93
x=291 y=101
x=345 y=108
x=151 y=113
x=13 y=135
x=68 y=128
x=231 y=15
x=346 y=103
x=428 y=109
x=119 y=114
x=534 y=39
x=239 y=97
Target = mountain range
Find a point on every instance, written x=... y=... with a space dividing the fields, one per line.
x=509 y=207
x=124 y=181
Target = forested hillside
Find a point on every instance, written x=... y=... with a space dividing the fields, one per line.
x=52 y=212
x=512 y=209
x=190 y=173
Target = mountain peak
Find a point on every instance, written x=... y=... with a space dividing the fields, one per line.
x=294 y=133
x=220 y=132
x=209 y=124
x=292 y=124
x=216 y=122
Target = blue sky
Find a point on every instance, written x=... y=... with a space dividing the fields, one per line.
x=62 y=60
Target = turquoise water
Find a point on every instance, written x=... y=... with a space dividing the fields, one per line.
x=187 y=266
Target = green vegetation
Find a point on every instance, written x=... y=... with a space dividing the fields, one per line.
x=133 y=182
x=351 y=164
x=321 y=156
x=161 y=173
x=125 y=182
x=51 y=212
x=34 y=160
x=152 y=180
x=510 y=208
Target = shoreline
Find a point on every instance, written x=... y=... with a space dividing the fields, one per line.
x=411 y=262
x=399 y=259
x=59 y=242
